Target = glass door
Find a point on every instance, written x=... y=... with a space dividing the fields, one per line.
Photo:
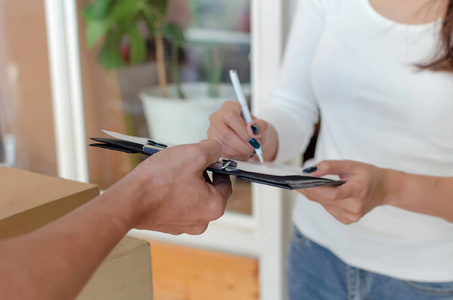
x=119 y=97
x=127 y=95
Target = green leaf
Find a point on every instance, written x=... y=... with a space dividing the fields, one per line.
x=162 y=6
x=174 y=33
x=150 y=19
x=110 y=54
x=138 y=45
x=94 y=31
x=97 y=10
x=159 y=6
x=122 y=12
x=125 y=9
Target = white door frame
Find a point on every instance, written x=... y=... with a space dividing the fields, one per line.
x=268 y=40
x=262 y=235
x=66 y=84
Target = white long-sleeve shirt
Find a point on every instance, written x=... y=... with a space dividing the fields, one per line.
x=355 y=70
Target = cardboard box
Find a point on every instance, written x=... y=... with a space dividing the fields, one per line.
x=125 y=274
x=29 y=200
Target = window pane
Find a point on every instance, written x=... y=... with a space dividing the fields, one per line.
x=131 y=98
x=26 y=123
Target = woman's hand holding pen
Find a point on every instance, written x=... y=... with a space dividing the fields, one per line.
x=238 y=138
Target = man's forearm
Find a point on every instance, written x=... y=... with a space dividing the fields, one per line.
x=167 y=192
x=56 y=261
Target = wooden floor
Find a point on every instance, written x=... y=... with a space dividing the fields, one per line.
x=182 y=273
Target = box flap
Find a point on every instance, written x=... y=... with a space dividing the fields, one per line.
x=23 y=190
x=30 y=200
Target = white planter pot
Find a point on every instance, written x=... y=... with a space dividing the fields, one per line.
x=181 y=121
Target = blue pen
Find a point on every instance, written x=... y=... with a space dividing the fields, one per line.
x=244 y=107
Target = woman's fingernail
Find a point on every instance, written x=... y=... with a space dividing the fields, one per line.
x=310 y=169
x=255 y=129
x=254 y=143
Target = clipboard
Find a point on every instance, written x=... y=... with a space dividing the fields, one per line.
x=271 y=174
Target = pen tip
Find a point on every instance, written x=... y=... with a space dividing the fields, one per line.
x=261 y=159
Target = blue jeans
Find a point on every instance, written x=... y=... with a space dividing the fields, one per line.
x=315 y=273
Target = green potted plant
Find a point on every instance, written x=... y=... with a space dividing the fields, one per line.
x=132 y=22
x=115 y=21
